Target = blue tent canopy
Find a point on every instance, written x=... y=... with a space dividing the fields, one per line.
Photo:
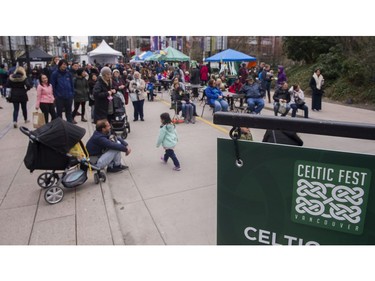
x=146 y=55
x=230 y=55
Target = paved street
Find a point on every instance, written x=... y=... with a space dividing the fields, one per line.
x=149 y=204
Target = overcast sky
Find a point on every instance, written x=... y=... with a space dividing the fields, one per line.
x=81 y=39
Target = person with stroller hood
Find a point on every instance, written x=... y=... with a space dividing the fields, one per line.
x=107 y=148
x=103 y=91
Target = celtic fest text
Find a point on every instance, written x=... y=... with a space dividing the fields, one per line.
x=329 y=174
x=272 y=238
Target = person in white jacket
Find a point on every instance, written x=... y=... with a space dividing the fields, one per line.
x=137 y=95
x=298 y=101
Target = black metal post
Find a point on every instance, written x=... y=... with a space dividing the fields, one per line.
x=309 y=126
x=11 y=51
x=27 y=56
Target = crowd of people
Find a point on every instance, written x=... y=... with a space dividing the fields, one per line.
x=73 y=86
x=64 y=88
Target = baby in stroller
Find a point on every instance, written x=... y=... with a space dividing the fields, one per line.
x=118 y=118
x=57 y=146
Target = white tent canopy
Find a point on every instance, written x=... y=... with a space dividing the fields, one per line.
x=104 y=54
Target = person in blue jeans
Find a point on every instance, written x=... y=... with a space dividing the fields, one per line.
x=281 y=99
x=19 y=86
x=168 y=139
x=254 y=95
x=298 y=101
x=107 y=148
x=63 y=90
x=215 y=97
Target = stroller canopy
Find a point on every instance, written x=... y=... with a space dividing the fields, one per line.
x=59 y=135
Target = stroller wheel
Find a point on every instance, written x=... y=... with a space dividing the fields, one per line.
x=96 y=178
x=54 y=195
x=128 y=127
x=102 y=176
x=124 y=134
x=47 y=180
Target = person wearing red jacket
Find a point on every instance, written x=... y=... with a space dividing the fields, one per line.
x=234 y=88
x=204 y=74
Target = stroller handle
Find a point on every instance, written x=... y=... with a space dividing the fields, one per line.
x=25 y=130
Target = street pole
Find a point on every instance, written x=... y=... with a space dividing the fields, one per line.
x=11 y=51
x=27 y=56
x=45 y=44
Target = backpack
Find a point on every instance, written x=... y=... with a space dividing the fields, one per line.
x=260 y=76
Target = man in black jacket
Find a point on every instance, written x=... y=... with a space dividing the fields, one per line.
x=107 y=148
x=195 y=80
x=282 y=137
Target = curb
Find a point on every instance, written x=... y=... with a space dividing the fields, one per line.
x=112 y=216
x=114 y=225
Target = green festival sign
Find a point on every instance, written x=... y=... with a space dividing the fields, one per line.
x=285 y=195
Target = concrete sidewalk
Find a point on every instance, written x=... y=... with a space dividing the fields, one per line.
x=149 y=204
x=84 y=217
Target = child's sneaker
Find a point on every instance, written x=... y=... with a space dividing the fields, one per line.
x=162 y=160
x=177 y=168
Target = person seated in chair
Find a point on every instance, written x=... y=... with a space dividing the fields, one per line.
x=181 y=102
x=254 y=95
x=176 y=97
x=215 y=97
x=281 y=100
x=107 y=148
x=234 y=89
x=188 y=108
x=298 y=101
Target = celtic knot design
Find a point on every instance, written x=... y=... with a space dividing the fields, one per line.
x=329 y=207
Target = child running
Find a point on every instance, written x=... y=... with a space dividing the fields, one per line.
x=168 y=139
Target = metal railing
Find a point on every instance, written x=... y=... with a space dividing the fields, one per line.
x=308 y=126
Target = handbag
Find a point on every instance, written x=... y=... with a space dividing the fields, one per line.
x=282 y=107
x=38 y=119
x=299 y=101
x=134 y=97
x=8 y=94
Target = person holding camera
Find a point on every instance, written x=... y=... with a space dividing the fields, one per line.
x=298 y=101
x=137 y=95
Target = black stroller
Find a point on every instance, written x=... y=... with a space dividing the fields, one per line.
x=57 y=146
x=119 y=120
